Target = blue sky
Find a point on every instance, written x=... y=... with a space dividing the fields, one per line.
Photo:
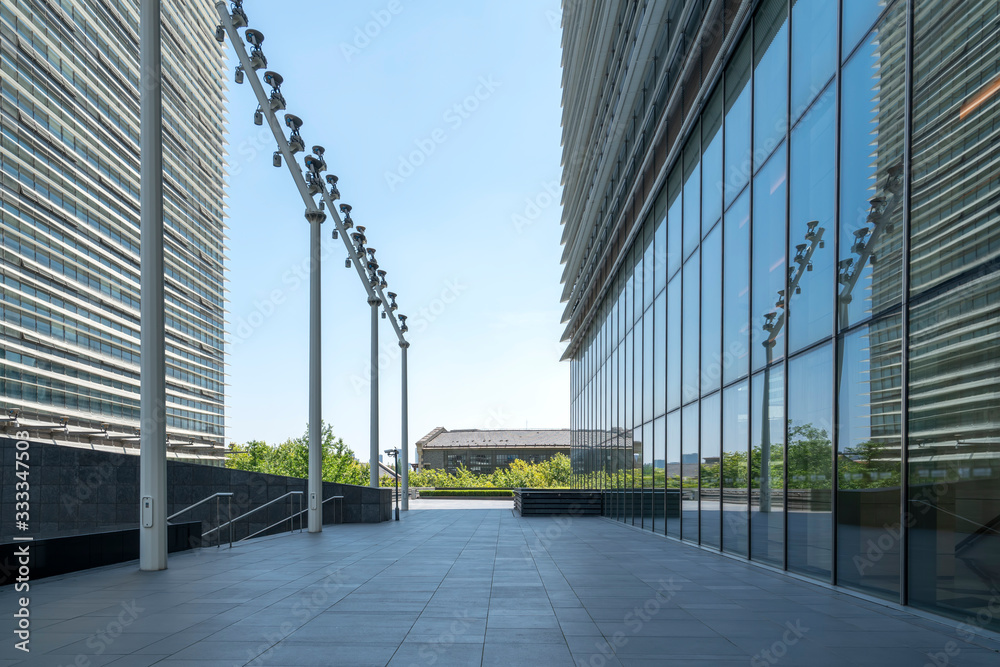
x=442 y=121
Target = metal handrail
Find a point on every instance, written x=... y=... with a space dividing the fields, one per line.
x=205 y=500
x=257 y=509
x=325 y=501
x=218 y=519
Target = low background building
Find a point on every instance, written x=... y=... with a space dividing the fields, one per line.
x=483 y=451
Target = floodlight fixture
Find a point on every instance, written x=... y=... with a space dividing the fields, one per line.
x=347 y=263
x=403 y=328
x=334 y=192
x=238 y=16
x=276 y=100
x=257 y=58
x=295 y=142
x=239 y=74
x=276 y=159
x=335 y=235
x=220 y=34
x=316 y=164
x=258 y=116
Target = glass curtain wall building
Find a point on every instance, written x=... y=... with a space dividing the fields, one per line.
x=782 y=243
x=69 y=220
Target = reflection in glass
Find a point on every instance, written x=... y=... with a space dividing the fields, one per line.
x=674 y=218
x=812 y=201
x=659 y=472
x=646 y=492
x=690 y=367
x=871 y=170
x=711 y=163
x=711 y=311
x=768 y=312
x=647 y=365
x=770 y=98
x=648 y=265
x=673 y=480
x=858 y=18
x=868 y=457
x=634 y=480
x=735 y=471
x=660 y=354
x=814 y=51
x=810 y=463
x=660 y=255
x=689 y=473
x=767 y=459
x=954 y=419
x=674 y=342
x=627 y=391
x=737 y=125
x=710 y=464
x=736 y=291
x=692 y=195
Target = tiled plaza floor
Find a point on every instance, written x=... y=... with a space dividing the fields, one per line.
x=467 y=587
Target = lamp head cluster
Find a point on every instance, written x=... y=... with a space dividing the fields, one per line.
x=315 y=162
x=257 y=58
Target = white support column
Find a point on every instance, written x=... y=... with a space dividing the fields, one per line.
x=152 y=373
x=315 y=483
x=374 y=302
x=404 y=447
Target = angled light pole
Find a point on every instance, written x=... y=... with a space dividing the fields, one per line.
x=287 y=148
x=309 y=185
x=152 y=375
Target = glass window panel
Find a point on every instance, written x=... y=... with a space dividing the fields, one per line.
x=674 y=222
x=868 y=456
x=647 y=476
x=628 y=388
x=637 y=368
x=673 y=481
x=633 y=479
x=814 y=50
x=954 y=417
x=647 y=366
x=648 y=265
x=660 y=354
x=770 y=105
x=810 y=463
x=692 y=195
x=858 y=18
x=954 y=215
x=711 y=311
x=736 y=291
x=812 y=199
x=711 y=457
x=871 y=154
x=660 y=254
x=954 y=461
x=689 y=473
x=711 y=163
x=659 y=471
x=735 y=471
x=737 y=128
x=767 y=452
x=690 y=366
x=637 y=280
x=674 y=342
x=768 y=261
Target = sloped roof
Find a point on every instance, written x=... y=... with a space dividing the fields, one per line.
x=441 y=438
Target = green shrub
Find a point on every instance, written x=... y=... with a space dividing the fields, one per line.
x=467 y=493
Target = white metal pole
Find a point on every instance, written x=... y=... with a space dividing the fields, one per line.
x=152 y=377
x=315 y=380
x=404 y=448
x=374 y=302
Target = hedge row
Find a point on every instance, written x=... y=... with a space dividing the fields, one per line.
x=467 y=493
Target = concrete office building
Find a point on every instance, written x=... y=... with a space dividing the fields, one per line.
x=782 y=243
x=69 y=223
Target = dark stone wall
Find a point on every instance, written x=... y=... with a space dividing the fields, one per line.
x=76 y=491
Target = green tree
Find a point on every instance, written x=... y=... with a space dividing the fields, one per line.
x=291 y=458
